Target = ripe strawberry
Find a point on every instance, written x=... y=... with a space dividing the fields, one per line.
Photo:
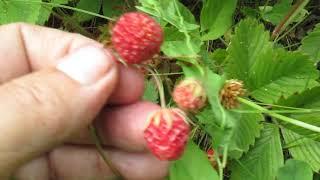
x=136 y=37
x=167 y=133
x=189 y=95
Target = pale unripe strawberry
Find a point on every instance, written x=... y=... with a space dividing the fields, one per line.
x=136 y=37
x=231 y=90
x=189 y=95
x=167 y=133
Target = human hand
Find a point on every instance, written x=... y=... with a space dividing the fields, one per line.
x=53 y=84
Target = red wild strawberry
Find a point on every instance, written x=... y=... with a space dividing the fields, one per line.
x=167 y=133
x=136 y=37
x=189 y=95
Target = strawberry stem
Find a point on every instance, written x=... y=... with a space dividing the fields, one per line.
x=279 y=116
x=97 y=142
x=159 y=86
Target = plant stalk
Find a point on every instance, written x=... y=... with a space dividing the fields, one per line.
x=289 y=17
x=96 y=140
x=279 y=116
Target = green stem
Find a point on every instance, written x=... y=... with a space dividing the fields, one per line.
x=65 y=7
x=220 y=168
x=159 y=86
x=96 y=140
x=280 y=117
x=276 y=111
x=289 y=17
x=73 y=25
x=287 y=32
x=225 y=157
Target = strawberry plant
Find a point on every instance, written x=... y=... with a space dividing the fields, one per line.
x=244 y=73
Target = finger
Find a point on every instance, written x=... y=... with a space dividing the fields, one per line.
x=25 y=48
x=130 y=86
x=42 y=109
x=74 y=162
x=121 y=127
x=37 y=169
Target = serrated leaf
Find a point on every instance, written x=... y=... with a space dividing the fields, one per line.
x=268 y=73
x=308 y=100
x=216 y=17
x=295 y=170
x=250 y=42
x=237 y=131
x=282 y=74
x=113 y=8
x=193 y=165
x=303 y=149
x=150 y=92
x=238 y=136
x=19 y=11
x=262 y=160
x=246 y=129
x=311 y=44
x=88 y=5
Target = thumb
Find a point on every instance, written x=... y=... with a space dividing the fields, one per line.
x=42 y=109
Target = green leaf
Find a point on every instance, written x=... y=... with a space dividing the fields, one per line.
x=268 y=73
x=182 y=41
x=19 y=11
x=303 y=149
x=150 y=92
x=281 y=74
x=250 y=43
x=46 y=11
x=247 y=128
x=311 y=44
x=295 y=170
x=277 y=12
x=193 y=165
x=171 y=11
x=175 y=44
x=213 y=85
x=218 y=60
x=237 y=131
x=238 y=135
x=250 y=12
x=308 y=100
x=262 y=160
x=113 y=8
x=88 y=5
x=216 y=17
x=151 y=7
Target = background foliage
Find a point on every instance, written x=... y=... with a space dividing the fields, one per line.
x=272 y=46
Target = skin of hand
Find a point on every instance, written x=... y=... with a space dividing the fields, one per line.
x=53 y=84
